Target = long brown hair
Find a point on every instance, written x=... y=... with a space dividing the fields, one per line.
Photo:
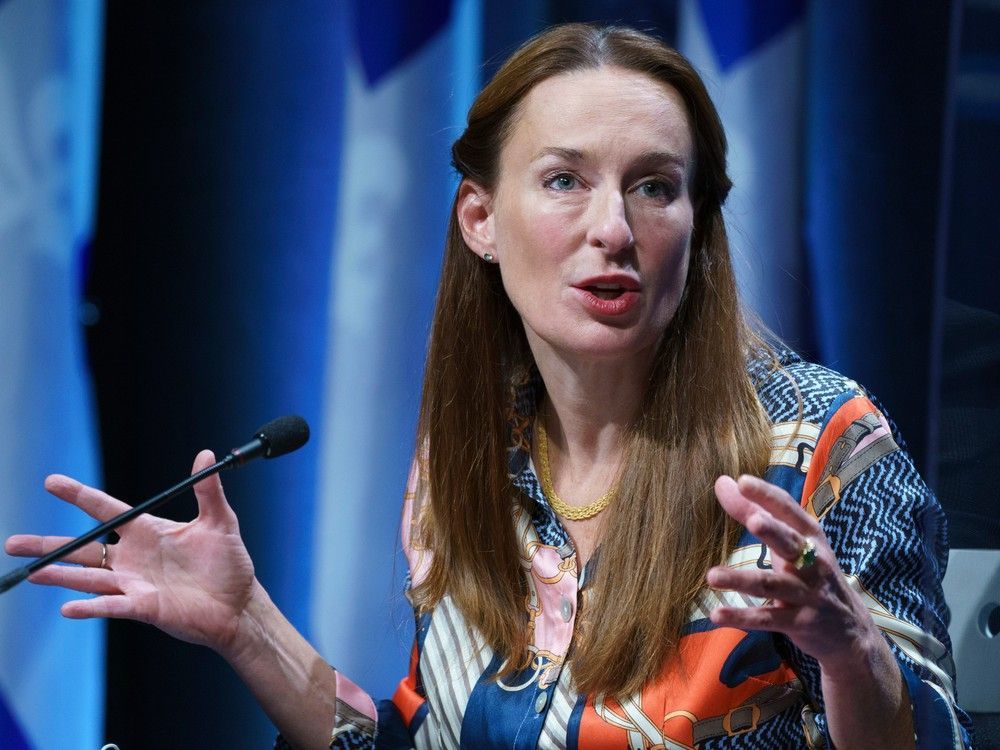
x=700 y=417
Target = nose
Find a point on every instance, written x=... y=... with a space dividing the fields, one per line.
x=610 y=229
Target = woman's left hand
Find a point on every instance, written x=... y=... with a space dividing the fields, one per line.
x=813 y=605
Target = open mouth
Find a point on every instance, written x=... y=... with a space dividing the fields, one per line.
x=606 y=291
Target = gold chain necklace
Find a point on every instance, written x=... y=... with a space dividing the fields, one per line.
x=558 y=504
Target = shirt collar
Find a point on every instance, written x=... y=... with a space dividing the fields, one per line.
x=526 y=392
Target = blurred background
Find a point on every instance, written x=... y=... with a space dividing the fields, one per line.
x=213 y=213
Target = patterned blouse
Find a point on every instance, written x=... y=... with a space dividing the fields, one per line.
x=842 y=458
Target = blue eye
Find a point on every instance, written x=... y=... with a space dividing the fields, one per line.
x=562 y=181
x=655 y=189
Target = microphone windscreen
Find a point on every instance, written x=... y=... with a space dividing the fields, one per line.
x=283 y=435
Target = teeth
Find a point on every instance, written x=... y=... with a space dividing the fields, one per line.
x=607 y=286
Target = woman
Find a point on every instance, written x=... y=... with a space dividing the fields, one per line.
x=584 y=570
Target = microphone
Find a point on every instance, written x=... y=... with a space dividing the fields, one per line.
x=276 y=438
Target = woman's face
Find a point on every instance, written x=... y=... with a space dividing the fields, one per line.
x=591 y=217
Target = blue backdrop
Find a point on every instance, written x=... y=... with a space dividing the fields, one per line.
x=49 y=77
x=273 y=189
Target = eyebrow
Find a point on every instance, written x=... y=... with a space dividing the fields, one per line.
x=569 y=154
x=650 y=157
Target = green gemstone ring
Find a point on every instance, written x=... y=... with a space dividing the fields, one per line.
x=807 y=557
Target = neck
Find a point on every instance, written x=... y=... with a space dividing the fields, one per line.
x=588 y=408
x=589 y=399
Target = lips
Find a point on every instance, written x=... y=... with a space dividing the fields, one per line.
x=610 y=294
x=610 y=283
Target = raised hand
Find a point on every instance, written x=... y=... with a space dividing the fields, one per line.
x=191 y=580
x=813 y=604
x=810 y=600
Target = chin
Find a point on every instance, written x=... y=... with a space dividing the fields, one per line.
x=613 y=348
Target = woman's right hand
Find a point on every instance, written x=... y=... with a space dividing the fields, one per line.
x=196 y=582
x=192 y=580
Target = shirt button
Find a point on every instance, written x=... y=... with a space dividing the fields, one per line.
x=540 y=701
x=566 y=609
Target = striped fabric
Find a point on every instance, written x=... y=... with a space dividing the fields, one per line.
x=733 y=689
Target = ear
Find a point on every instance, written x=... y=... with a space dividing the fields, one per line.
x=474 y=211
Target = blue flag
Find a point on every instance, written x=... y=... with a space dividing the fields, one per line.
x=410 y=78
x=751 y=57
x=51 y=669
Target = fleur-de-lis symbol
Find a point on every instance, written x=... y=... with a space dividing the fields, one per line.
x=35 y=151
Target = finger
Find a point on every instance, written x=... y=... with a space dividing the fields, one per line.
x=787 y=620
x=732 y=500
x=213 y=509
x=780 y=538
x=785 y=534
x=765 y=584
x=118 y=606
x=778 y=503
x=91 y=555
x=92 y=501
x=90 y=580
x=32 y=545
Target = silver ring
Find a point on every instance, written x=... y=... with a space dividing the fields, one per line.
x=807 y=555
